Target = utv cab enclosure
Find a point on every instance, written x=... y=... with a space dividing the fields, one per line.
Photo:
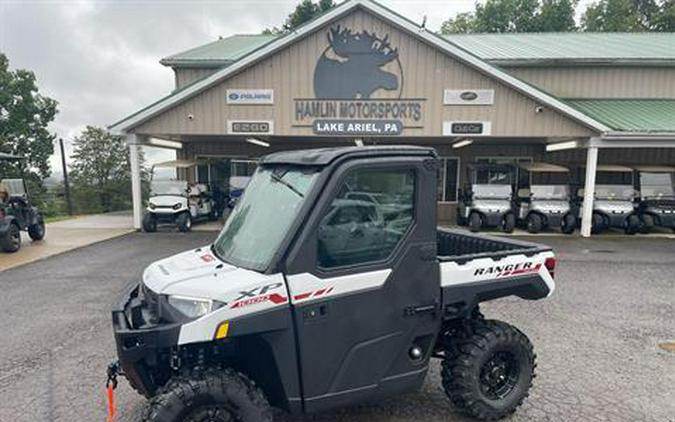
x=545 y=201
x=657 y=196
x=330 y=285
x=487 y=200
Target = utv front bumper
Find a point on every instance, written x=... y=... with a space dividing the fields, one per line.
x=141 y=346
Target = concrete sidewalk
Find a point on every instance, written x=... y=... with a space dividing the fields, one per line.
x=66 y=235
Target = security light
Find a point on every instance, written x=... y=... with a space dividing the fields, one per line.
x=258 y=142
x=462 y=143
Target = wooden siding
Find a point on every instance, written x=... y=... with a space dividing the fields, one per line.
x=426 y=73
x=601 y=81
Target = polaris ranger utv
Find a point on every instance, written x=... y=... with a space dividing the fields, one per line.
x=545 y=201
x=295 y=305
x=657 y=197
x=488 y=200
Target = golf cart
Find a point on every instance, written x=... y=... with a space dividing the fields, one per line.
x=545 y=203
x=178 y=201
x=17 y=213
x=614 y=204
x=657 y=196
x=487 y=201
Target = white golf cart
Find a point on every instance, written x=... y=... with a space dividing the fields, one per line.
x=545 y=201
x=178 y=201
x=657 y=196
x=614 y=204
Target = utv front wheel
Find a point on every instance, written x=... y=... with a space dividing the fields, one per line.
x=534 y=223
x=647 y=223
x=215 y=395
x=632 y=224
x=569 y=222
x=488 y=372
x=37 y=230
x=184 y=222
x=11 y=242
x=149 y=223
x=475 y=222
x=509 y=223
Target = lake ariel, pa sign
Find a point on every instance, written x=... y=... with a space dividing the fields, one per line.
x=357 y=127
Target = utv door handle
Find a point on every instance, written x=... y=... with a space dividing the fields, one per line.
x=421 y=309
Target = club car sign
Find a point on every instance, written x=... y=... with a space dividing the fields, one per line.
x=358 y=81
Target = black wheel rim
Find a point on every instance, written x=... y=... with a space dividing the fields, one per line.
x=499 y=375
x=213 y=413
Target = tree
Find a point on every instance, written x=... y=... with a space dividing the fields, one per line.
x=101 y=172
x=664 y=20
x=24 y=117
x=304 y=12
x=630 y=16
x=514 y=16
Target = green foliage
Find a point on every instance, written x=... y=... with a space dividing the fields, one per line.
x=101 y=172
x=629 y=16
x=515 y=16
x=304 y=12
x=24 y=117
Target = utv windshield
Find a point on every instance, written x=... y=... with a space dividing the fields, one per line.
x=657 y=185
x=263 y=216
x=549 y=191
x=617 y=192
x=168 y=187
x=491 y=191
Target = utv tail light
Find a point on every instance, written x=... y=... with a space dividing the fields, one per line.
x=550 y=266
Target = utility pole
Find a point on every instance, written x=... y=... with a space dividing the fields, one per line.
x=65 y=178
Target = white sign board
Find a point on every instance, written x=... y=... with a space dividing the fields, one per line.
x=472 y=128
x=250 y=127
x=469 y=97
x=250 y=96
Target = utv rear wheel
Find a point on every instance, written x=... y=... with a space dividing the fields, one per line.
x=488 y=372
x=184 y=222
x=568 y=224
x=509 y=223
x=647 y=223
x=475 y=222
x=37 y=230
x=214 y=395
x=534 y=223
x=632 y=224
x=598 y=223
x=149 y=223
x=11 y=242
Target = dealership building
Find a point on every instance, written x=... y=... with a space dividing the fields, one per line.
x=362 y=74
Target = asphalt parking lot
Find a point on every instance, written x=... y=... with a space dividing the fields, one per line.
x=596 y=339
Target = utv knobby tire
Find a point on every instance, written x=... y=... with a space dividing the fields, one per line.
x=184 y=222
x=646 y=223
x=213 y=395
x=149 y=223
x=568 y=224
x=534 y=223
x=37 y=231
x=464 y=375
x=475 y=222
x=632 y=224
x=509 y=223
x=11 y=241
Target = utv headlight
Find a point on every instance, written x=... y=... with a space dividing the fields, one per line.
x=191 y=307
x=177 y=206
x=151 y=206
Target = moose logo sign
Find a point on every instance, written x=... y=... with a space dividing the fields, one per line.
x=356 y=71
x=358 y=82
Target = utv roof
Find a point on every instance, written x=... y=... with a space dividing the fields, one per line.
x=614 y=168
x=324 y=156
x=656 y=169
x=543 y=167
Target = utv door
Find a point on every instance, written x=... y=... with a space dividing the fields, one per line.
x=365 y=292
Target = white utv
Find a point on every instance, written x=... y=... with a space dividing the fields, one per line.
x=657 y=197
x=614 y=204
x=545 y=201
x=488 y=200
x=179 y=202
x=281 y=311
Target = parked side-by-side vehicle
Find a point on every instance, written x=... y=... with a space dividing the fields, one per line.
x=487 y=199
x=545 y=201
x=330 y=285
x=656 y=207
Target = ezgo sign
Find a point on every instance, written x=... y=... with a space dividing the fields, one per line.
x=250 y=96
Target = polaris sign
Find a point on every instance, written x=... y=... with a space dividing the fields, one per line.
x=250 y=96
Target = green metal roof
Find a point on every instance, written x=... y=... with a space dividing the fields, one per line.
x=577 y=47
x=221 y=52
x=630 y=115
x=641 y=48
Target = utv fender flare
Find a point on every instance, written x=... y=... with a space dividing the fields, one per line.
x=6 y=222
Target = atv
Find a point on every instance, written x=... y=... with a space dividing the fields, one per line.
x=179 y=202
x=17 y=213
x=545 y=201
x=657 y=197
x=488 y=200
